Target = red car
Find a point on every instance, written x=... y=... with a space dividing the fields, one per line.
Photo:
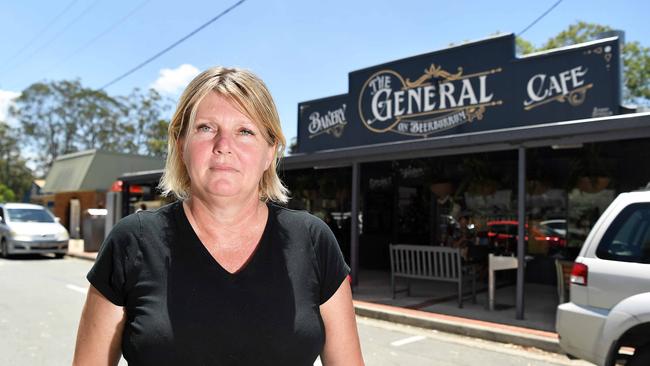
x=503 y=234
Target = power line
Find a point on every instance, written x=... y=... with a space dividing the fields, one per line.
x=100 y=35
x=141 y=65
x=41 y=32
x=60 y=32
x=540 y=17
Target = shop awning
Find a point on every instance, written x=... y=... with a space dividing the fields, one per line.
x=556 y=134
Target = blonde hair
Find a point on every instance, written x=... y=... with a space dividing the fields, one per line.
x=251 y=96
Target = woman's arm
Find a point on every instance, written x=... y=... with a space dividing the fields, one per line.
x=341 y=337
x=99 y=336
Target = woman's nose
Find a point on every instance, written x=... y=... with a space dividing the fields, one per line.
x=222 y=144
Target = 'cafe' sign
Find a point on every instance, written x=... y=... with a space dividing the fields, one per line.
x=473 y=87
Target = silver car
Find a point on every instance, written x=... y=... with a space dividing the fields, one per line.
x=609 y=312
x=27 y=229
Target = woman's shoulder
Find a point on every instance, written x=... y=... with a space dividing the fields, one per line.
x=293 y=216
x=298 y=219
x=153 y=220
x=161 y=214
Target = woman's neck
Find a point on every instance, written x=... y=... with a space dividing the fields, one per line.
x=223 y=219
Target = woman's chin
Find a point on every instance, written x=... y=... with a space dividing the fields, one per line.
x=225 y=191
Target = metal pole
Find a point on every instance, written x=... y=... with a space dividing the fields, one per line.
x=521 y=231
x=354 y=225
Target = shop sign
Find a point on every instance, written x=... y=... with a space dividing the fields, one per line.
x=325 y=122
x=474 y=87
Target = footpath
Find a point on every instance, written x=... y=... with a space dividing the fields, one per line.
x=526 y=337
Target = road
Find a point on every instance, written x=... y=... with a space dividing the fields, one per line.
x=41 y=300
x=388 y=344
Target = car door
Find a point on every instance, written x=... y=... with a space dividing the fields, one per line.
x=621 y=267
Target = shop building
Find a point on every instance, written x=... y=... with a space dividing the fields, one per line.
x=82 y=180
x=472 y=145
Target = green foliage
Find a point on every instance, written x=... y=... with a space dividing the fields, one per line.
x=61 y=117
x=636 y=58
x=145 y=123
x=157 y=138
x=14 y=174
x=523 y=46
x=6 y=194
x=576 y=33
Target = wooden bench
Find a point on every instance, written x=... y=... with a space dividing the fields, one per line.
x=430 y=263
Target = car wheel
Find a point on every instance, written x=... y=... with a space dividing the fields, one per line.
x=3 y=247
x=641 y=356
x=58 y=255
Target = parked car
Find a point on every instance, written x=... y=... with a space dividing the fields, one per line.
x=609 y=311
x=502 y=234
x=27 y=228
x=556 y=226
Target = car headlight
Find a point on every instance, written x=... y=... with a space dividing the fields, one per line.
x=19 y=236
x=62 y=236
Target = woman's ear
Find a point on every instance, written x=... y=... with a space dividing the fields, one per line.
x=270 y=157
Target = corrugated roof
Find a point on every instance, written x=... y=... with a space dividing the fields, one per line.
x=94 y=170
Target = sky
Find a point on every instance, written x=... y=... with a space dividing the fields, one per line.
x=303 y=50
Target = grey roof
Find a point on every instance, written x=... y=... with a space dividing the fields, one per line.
x=94 y=170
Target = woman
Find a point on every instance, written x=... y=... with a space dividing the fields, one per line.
x=222 y=276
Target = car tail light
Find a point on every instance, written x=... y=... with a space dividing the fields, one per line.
x=579 y=274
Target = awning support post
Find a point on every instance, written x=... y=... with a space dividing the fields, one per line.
x=521 y=232
x=354 y=225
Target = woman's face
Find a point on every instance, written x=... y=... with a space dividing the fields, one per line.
x=225 y=153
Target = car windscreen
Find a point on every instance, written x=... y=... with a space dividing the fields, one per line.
x=28 y=215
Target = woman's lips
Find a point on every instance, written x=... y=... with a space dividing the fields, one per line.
x=223 y=168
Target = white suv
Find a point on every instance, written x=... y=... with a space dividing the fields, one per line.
x=609 y=311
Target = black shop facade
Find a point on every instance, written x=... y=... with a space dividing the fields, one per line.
x=471 y=139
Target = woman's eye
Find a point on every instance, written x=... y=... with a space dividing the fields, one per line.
x=204 y=128
x=245 y=131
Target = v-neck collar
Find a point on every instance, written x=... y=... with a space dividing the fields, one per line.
x=205 y=253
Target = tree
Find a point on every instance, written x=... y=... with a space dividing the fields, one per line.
x=98 y=119
x=157 y=138
x=62 y=117
x=15 y=176
x=144 y=120
x=636 y=58
x=6 y=194
x=576 y=33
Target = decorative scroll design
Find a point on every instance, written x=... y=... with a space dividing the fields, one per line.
x=434 y=72
x=575 y=97
x=475 y=113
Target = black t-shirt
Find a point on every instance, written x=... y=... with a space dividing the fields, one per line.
x=183 y=308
